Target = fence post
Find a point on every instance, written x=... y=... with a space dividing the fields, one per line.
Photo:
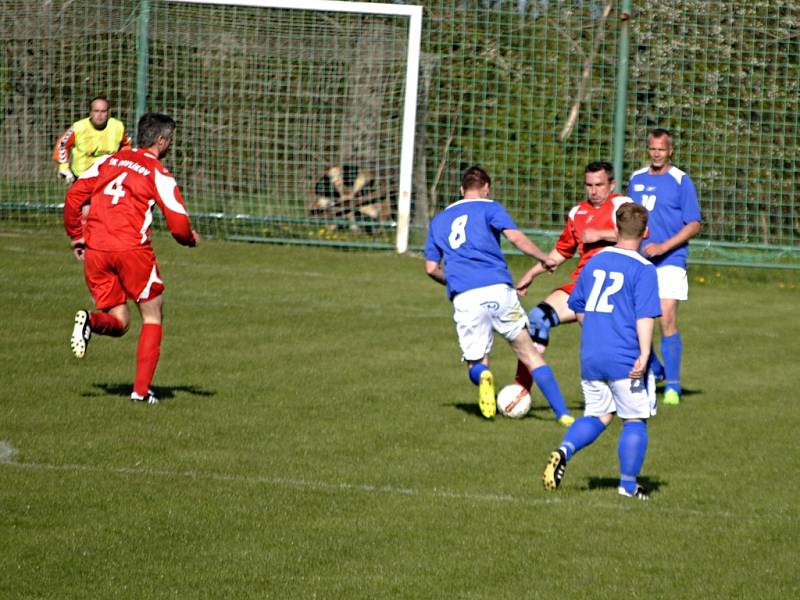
x=622 y=94
x=142 y=47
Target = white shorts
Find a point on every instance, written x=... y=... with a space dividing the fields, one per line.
x=673 y=284
x=629 y=398
x=479 y=312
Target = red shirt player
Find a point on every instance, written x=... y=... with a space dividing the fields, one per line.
x=114 y=244
x=589 y=229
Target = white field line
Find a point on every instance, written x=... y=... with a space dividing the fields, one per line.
x=7 y=452
x=275 y=481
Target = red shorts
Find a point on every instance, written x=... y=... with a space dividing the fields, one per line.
x=567 y=287
x=116 y=277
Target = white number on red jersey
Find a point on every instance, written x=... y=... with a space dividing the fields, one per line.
x=115 y=189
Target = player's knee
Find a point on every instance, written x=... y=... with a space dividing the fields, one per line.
x=668 y=326
x=542 y=317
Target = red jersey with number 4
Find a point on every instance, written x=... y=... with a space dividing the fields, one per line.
x=123 y=188
x=587 y=216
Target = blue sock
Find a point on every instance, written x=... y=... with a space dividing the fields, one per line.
x=671 y=350
x=583 y=432
x=475 y=372
x=546 y=382
x=656 y=366
x=630 y=451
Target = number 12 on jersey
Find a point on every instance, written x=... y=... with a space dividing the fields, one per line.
x=598 y=300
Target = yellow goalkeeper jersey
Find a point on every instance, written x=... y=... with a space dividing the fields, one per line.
x=82 y=144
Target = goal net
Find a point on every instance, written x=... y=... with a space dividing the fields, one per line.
x=295 y=119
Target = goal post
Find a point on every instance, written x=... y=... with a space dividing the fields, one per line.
x=401 y=178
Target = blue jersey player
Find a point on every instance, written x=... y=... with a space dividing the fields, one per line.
x=463 y=253
x=616 y=301
x=670 y=196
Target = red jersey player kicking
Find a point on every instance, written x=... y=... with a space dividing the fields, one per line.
x=114 y=245
x=589 y=229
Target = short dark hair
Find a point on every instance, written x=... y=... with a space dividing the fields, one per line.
x=152 y=126
x=600 y=165
x=631 y=220
x=475 y=177
x=96 y=98
x=660 y=132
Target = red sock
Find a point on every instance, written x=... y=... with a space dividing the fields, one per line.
x=523 y=376
x=104 y=324
x=147 y=353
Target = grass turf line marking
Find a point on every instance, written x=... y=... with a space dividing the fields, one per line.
x=6 y=451
x=299 y=483
x=5 y=459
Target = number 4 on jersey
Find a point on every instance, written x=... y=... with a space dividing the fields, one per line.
x=115 y=189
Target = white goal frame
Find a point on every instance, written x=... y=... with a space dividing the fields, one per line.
x=414 y=13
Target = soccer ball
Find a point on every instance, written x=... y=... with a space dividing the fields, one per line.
x=514 y=401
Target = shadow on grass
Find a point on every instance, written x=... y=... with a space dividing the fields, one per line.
x=684 y=391
x=471 y=408
x=599 y=483
x=162 y=392
x=540 y=413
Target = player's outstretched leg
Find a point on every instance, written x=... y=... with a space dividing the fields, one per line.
x=546 y=382
x=582 y=433
x=554 y=470
x=81 y=333
x=542 y=318
x=523 y=376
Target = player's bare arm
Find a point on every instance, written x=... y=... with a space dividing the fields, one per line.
x=523 y=243
x=591 y=236
x=435 y=271
x=644 y=331
x=686 y=233
x=525 y=281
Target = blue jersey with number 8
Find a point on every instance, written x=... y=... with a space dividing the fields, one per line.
x=467 y=236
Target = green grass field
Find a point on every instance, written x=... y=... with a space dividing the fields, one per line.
x=318 y=438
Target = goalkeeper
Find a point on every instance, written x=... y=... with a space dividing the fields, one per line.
x=88 y=139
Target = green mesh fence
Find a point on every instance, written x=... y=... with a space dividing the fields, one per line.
x=290 y=122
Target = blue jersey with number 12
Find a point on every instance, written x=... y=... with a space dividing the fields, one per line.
x=614 y=289
x=467 y=236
